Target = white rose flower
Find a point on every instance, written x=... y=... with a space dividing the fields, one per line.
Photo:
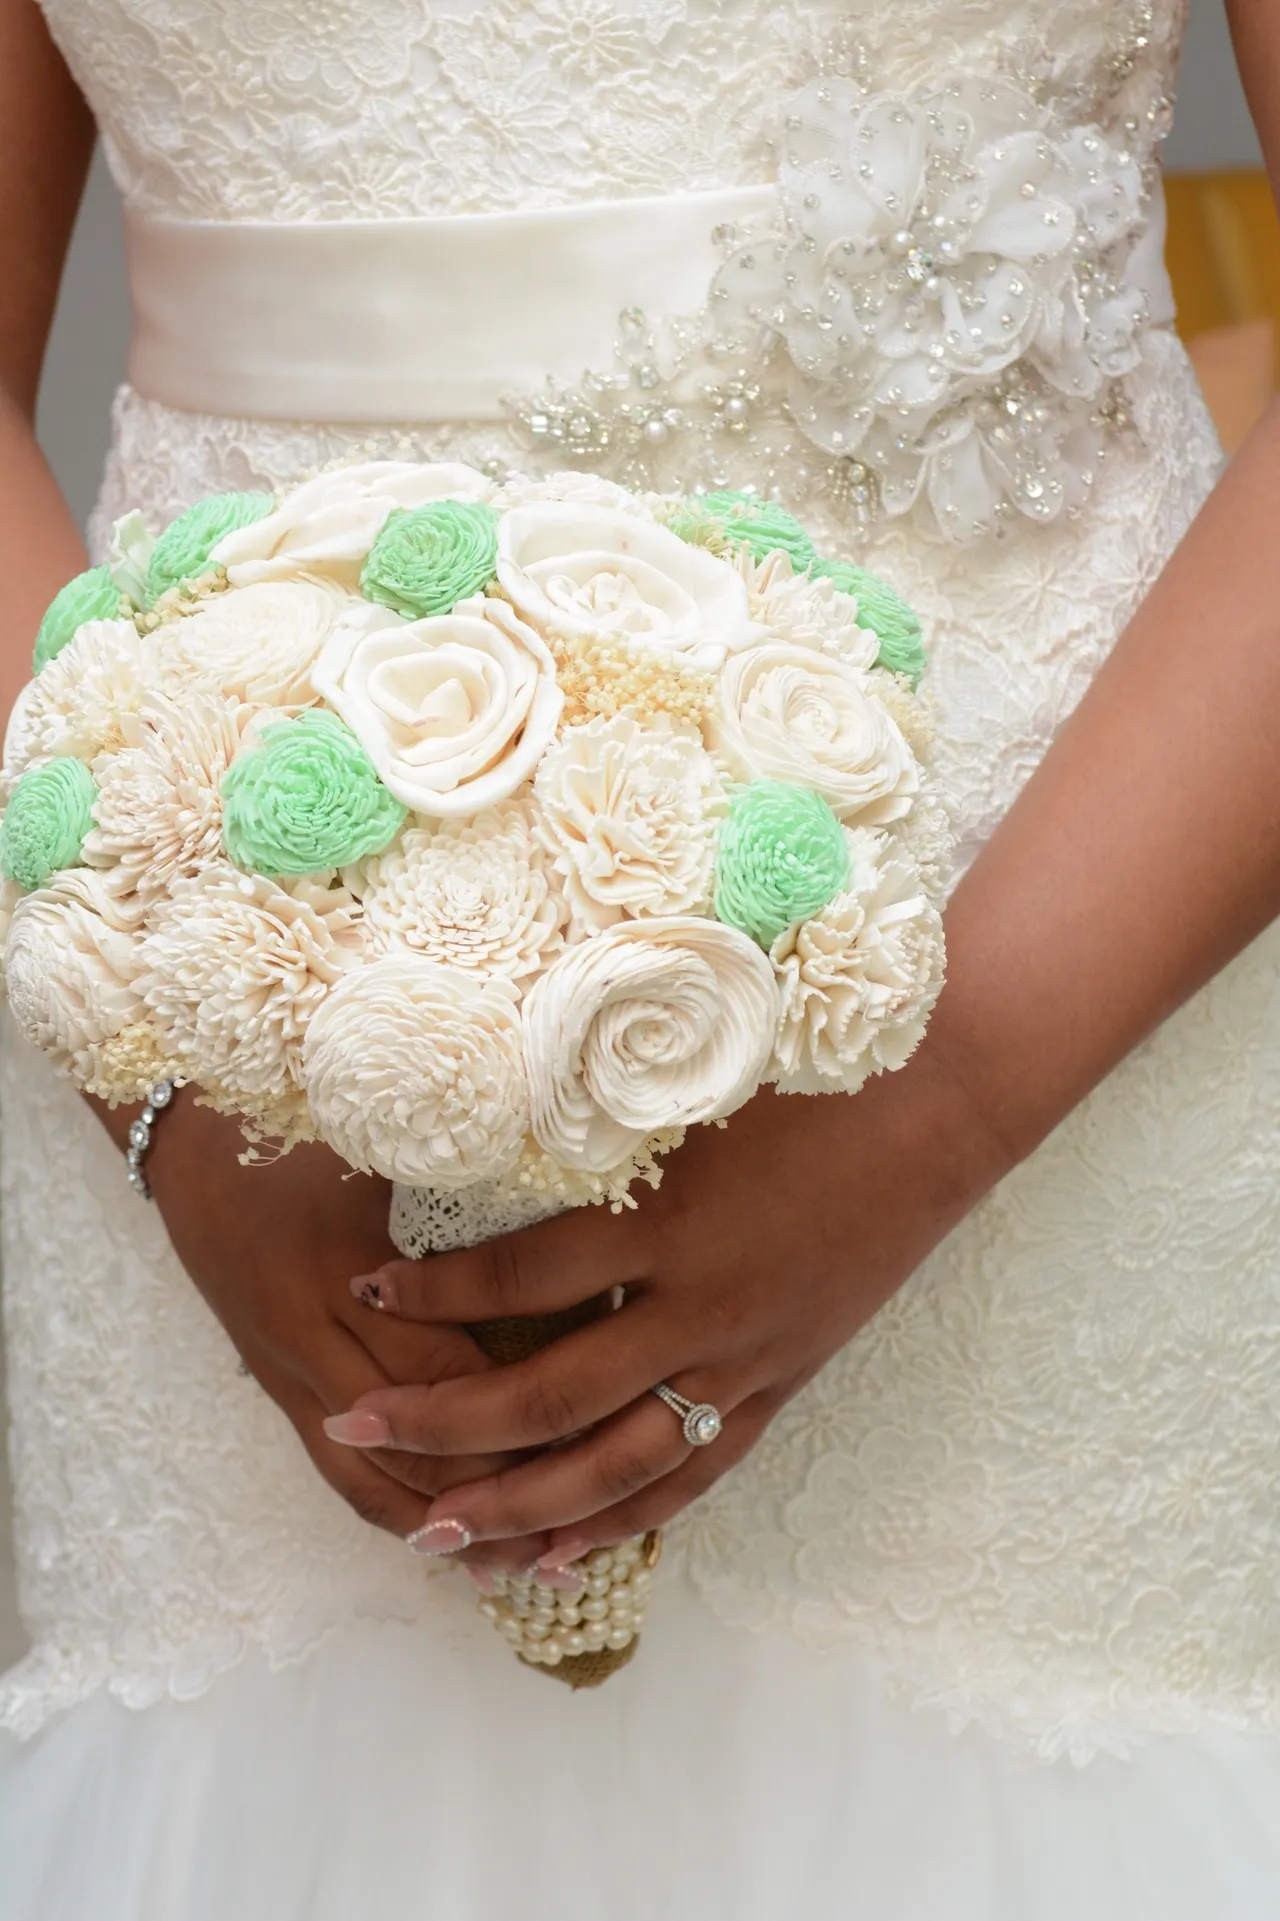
x=327 y=526
x=71 y=968
x=805 y=610
x=158 y=812
x=787 y=713
x=630 y=815
x=476 y=894
x=593 y=573
x=455 y=712
x=414 y=1071
x=83 y=700
x=653 y=1024
x=236 y=966
x=256 y=644
x=859 y=981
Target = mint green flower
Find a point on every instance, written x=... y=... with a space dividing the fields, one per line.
x=49 y=813
x=427 y=559
x=884 y=613
x=307 y=799
x=183 y=549
x=745 y=521
x=782 y=857
x=90 y=596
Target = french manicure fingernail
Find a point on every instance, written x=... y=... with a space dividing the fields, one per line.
x=567 y=1580
x=360 y=1428
x=483 y=1580
x=375 y=1290
x=439 y=1537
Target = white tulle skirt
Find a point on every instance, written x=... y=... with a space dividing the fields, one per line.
x=420 y=1772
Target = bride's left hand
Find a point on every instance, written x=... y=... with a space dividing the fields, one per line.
x=768 y=1245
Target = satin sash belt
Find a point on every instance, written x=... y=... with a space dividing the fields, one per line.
x=407 y=320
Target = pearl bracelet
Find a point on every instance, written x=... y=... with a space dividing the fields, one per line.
x=140 y=1137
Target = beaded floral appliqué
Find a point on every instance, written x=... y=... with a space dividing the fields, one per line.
x=942 y=310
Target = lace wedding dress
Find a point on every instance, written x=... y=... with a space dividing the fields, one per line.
x=1028 y=1519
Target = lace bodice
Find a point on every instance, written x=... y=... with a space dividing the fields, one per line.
x=300 y=109
x=1040 y=1485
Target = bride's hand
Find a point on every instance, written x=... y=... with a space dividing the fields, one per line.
x=769 y=1243
x=272 y=1248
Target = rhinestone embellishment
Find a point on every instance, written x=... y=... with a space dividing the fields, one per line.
x=702 y=1425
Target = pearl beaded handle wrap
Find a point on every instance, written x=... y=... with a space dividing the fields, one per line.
x=583 y=1635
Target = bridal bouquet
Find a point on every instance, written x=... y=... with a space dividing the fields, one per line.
x=493 y=833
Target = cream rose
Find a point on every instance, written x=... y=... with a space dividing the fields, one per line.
x=414 y=1070
x=592 y=573
x=454 y=712
x=653 y=1024
x=630 y=815
x=858 y=981
x=787 y=713
x=327 y=526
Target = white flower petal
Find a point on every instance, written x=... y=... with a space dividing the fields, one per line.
x=415 y=1071
x=653 y=1024
x=236 y=966
x=454 y=712
x=859 y=981
x=476 y=894
x=630 y=815
x=72 y=963
x=589 y=573
x=790 y=714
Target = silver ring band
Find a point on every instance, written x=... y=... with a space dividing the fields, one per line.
x=701 y=1422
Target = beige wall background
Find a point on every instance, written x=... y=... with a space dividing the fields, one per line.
x=90 y=339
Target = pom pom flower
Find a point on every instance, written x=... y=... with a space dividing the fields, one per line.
x=782 y=857
x=45 y=824
x=427 y=559
x=308 y=798
x=90 y=596
x=184 y=549
x=882 y=612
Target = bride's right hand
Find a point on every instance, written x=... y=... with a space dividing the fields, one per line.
x=272 y=1248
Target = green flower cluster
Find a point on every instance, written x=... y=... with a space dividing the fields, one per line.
x=782 y=857
x=49 y=813
x=427 y=559
x=183 y=549
x=746 y=521
x=884 y=613
x=306 y=799
x=90 y=596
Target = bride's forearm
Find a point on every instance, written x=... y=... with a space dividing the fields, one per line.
x=46 y=138
x=1145 y=852
x=40 y=547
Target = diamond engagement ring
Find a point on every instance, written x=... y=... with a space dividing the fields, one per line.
x=701 y=1421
